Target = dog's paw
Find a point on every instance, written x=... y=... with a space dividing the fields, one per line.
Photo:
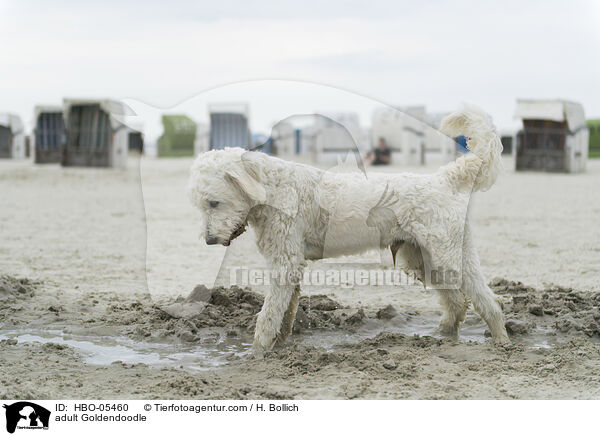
x=260 y=349
x=258 y=352
x=501 y=340
x=448 y=331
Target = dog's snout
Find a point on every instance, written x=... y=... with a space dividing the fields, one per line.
x=211 y=240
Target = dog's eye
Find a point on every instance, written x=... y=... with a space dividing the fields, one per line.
x=213 y=204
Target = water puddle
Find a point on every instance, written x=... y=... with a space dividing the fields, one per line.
x=471 y=330
x=104 y=350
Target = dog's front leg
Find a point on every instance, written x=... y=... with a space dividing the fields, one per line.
x=277 y=315
x=287 y=325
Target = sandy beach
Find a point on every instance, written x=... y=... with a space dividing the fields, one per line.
x=97 y=264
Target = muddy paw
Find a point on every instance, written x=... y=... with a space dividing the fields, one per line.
x=448 y=331
x=501 y=340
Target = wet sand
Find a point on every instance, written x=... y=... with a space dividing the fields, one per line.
x=103 y=256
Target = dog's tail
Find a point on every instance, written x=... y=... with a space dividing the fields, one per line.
x=480 y=168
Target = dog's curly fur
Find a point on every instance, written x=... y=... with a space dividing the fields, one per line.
x=301 y=213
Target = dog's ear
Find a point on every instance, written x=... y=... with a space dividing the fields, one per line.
x=251 y=187
x=253 y=161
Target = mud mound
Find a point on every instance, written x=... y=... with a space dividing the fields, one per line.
x=182 y=385
x=209 y=315
x=217 y=307
x=12 y=288
x=205 y=313
x=564 y=311
x=502 y=287
x=373 y=356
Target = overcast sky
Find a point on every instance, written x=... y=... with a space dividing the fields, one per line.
x=434 y=53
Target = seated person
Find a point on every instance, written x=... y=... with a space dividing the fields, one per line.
x=379 y=156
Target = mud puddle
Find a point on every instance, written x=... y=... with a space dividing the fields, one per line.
x=104 y=350
x=199 y=356
x=417 y=325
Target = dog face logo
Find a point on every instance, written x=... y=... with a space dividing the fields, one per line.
x=26 y=415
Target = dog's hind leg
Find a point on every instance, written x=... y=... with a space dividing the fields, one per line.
x=455 y=306
x=453 y=301
x=289 y=317
x=474 y=287
x=410 y=258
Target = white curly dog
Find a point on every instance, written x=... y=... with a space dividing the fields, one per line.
x=301 y=213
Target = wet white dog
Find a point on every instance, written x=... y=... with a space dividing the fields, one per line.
x=301 y=213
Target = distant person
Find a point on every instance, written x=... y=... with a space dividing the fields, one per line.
x=379 y=156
